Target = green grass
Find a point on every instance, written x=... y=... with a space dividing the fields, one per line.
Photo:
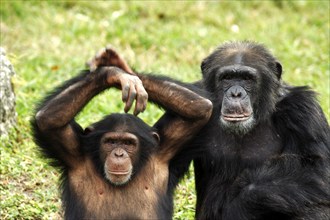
x=49 y=42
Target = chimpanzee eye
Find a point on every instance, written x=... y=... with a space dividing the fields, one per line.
x=224 y=77
x=247 y=77
x=128 y=142
x=109 y=141
x=228 y=77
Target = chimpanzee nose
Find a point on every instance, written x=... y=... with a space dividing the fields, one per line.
x=119 y=152
x=236 y=92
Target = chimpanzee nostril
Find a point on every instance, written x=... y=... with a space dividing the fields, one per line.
x=119 y=153
x=236 y=92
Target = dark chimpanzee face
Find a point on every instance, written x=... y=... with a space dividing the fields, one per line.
x=236 y=75
x=237 y=82
x=120 y=145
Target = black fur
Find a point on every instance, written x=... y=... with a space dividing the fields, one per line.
x=280 y=169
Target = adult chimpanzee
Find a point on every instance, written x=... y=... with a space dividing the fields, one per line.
x=118 y=167
x=267 y=143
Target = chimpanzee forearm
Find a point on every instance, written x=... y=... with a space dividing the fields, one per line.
x=54 y=127
x=187 y=110
x=68 y=100
x=166 y=92
x=276 y=190
x=174 y=97
x=59 y=109
x=186 y=113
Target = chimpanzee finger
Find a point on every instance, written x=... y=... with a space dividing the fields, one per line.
x=125 y=91
x=111 y=52
x=144 y=99
x=138 y=105
x=131 y=98
x=141 y=99
x=92 y=67
x=145 y=102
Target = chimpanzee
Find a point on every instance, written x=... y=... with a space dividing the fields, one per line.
x=267 y=143
x=117 y=168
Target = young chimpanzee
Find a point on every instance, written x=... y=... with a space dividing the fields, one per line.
x=117 y=168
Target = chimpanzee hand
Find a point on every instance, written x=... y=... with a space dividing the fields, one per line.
x=108 y=57
x=132 y=89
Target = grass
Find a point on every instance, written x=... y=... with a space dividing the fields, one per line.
x=49 y=42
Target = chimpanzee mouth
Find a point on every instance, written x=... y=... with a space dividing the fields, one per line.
x=119 y=173
x=236 y=118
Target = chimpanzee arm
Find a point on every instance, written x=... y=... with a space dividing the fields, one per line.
x=188 y=112
x=54 y=127
x=288 y=185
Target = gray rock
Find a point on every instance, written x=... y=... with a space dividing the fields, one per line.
x=7 y=97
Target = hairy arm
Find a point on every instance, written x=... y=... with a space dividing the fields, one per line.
x=288 y=185
x=187 y=112
x=54 y=127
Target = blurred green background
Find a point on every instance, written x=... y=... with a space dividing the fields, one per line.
x=49 y=42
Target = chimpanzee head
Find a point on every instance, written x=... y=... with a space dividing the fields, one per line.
x=244 y=79
x=120 y=145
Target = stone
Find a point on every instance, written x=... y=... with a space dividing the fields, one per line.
x=7 y=97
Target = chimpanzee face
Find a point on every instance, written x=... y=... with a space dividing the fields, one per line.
x=236 y=84
x=237 y=77
x=119 y=152
x=120 y=145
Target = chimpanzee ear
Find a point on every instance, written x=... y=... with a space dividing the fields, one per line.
x=278 y=69
x=89 y=129
x=203 y=65
x=156 y=136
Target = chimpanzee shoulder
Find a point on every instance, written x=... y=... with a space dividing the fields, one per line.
x=301 y=123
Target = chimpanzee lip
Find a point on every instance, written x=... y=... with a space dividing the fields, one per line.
x=118 y=173
x=236 y=118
